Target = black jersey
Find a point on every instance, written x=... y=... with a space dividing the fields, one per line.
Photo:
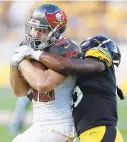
x=95 y=97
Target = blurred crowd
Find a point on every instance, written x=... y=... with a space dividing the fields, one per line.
x=85 y=18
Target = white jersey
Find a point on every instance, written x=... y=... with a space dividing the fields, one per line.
x=55 y=107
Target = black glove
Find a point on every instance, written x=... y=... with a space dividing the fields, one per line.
x=120 y=93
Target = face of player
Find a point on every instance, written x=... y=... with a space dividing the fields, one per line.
x=39 y=33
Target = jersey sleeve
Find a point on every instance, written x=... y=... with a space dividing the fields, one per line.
x=66 y=48
x=76 y=50
x=100 y=54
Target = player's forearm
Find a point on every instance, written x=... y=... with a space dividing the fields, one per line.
x=57 y=63
x=42 y=81
x=52 y=61
x=35 y=77
x=52 y=79
x=18 y=84
x=70 y=66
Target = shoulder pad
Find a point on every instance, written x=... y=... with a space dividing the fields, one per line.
x=70 y=49
x=65 y=47
x=73 y=50
x=101 y=54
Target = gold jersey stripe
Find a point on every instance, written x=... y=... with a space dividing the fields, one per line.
x=106 y=53
x=100 y=54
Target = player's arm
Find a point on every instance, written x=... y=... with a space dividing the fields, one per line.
x=38 y=79
x=19 y=85
x=71 y=66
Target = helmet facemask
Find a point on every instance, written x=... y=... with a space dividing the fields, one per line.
x=40 y=36
x=110 y=46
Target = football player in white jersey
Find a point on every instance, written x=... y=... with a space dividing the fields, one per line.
x=51 y=91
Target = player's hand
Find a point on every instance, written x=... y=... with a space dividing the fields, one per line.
x=30 y=52
x=21 y=53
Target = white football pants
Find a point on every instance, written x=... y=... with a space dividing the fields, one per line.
x=54 y=133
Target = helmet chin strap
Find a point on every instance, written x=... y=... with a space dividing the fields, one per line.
x=44 y=45
x=52 y=32
x=62 y=35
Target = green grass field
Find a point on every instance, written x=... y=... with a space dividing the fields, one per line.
x=7 y=102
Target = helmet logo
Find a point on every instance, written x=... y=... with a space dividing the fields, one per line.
x=59 y=17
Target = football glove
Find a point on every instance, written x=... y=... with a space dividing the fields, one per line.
x=36 y=54
x=21 y=53
x=30 y=52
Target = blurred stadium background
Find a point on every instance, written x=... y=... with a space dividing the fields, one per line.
x=85 y=19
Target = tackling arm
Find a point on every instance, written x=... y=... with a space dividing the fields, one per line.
x=38 y=79
x=71 y=66
x=18 y=84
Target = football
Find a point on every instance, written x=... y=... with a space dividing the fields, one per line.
x=37 y=64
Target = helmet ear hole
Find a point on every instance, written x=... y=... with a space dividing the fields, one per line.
x=57 y=34
x=95 y=42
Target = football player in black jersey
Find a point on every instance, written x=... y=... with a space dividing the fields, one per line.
x=45 y=32
x=94 y=98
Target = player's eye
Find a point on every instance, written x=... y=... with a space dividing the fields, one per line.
x=39 y=30
x=44 y=31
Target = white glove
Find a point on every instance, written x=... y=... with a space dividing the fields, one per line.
x=36 y=54
x=24 y=51
x=30 y=52
x=20 y=54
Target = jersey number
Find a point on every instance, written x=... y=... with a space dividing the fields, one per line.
x=77 y=96
x=43 y=97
